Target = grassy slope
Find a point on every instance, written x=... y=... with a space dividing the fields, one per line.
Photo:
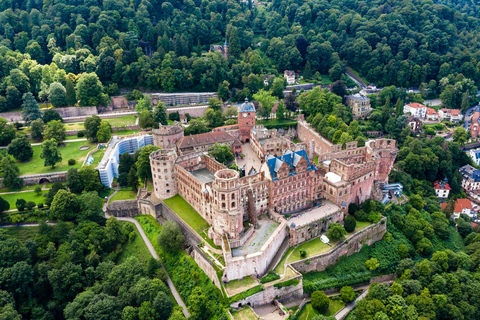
x=187 y=213
x=22 y=234
x=124 y=195
x=136 y=248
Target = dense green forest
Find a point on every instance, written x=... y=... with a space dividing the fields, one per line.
x=114 y=44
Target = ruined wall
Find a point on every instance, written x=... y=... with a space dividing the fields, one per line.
x=123 y=208
x=306 y=133
x=76 y=111
x=367 y=236
x=271 y=293
x=193 y=111
x=206 y=265
x=383 y=152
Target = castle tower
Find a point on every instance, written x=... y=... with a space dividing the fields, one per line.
x=163 y=173
x=227 y=210
x=246 y=120
x=167 y=136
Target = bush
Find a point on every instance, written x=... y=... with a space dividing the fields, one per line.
x=320 y=301
x=20 y=204
x=303 y=253
x=361 y=215
x=288 y=283
x=40 y=205
x=347 y=294
x=30 y=205
x=81 y=134
x=352 y=208
x=350 y=223
x=38 y=189
x=270 y=276
x=17 y=125
x=372 y=264
x=247 y=293
x=71 y=162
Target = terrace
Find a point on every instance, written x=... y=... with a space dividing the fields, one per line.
x=257 y=239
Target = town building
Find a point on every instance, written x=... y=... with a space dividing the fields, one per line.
x=202 y=142
x=432 y=115
x=290 y=76
x=415 y=109
x=463 y=206
x=474 y=154
x=108 y=166
x=414 y=123
x=470 y=178
x=453 y=115
x=442 y=189
x=371 y=89
x=359 y=104
x=267 y=77
x=246 y=120
x=223 y=49
x=183 y=119
x=475 y=125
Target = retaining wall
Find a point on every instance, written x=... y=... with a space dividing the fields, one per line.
x=193 y=111
x=206 y=265
x=305 y=133
x=123 y=208
x=34 y=179
x=367 y=236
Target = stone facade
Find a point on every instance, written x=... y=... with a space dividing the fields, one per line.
x=42 y=178
x=359 y=104
x=264 y=142
x=164 y=178
x=167 y=136
x=246 y=120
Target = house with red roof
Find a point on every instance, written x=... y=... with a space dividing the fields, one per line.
x=417 y=110
x=431 y=114
x=462 y=206
x=442 y=189
x=454 y=115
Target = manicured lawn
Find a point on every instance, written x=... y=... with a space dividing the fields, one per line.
x=280 y=268
x=309 y=312
x=27 y=196
x=296 y=140
x=21 y=233
x=98 y=155
x=69 y=151
x=312 y=247
x=22 y=188
x=360 y=225
x=244 y=314
x=74 y=126
x=276 y=122
x=135 y=248
x=124 y=132
x=315 y=159
x=187 y=213
x=126 y=194
x=121 y=121
x=236 y=286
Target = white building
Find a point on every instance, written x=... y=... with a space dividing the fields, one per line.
x=453 y=115
x=475 y=155
x=431 y=114
x=470 y=178
x=463 y=206
x=415 y=109
x=442 y=189
x=290 y=76
x=108 y=167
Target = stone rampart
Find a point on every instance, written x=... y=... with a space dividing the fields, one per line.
x=306 y=133
x=206 y=265
x=243 y=238
x=367 y=236
x=270 y=293
x=76 y=111
x=123 y=208
x=34 y=179
x=193 y=111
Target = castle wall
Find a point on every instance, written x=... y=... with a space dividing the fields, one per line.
x=164 y=176
x=34 y=179
x=306 y=133
x=167 y=136
x=206 y=265
x=367 y=236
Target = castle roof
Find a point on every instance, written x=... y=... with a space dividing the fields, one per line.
x=204 y=139
x=246 y=107
x=291 y=159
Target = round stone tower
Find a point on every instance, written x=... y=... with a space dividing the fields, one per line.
x=167 y=136
x=163 y=173
x=227 y=211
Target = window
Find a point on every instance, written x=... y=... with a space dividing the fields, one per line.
x=223 y=205
x=233 y=204
x=168 y=191
x=223 y=197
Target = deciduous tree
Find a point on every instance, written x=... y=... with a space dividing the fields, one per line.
x=20 y=148
x=10 y=173
x=55 y=130
x=171 y=237
x=50 y=153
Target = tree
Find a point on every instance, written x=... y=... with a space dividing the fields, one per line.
x=160 y=114
x=57 y=95
x=56 y=186
x=266 y=101
x=198 y=305
x=89 y=91
x=214 y=118
x=291 y=102
x=4 y=205
x=50 y=153
x=30 y=109
x=339 y=88
x=20 y=204
x=464 y=228
x=70 y=93
x=64 y=206
x=307 y=71
x=372 y=264
x=36 y=129
x=234 y=49
x=336 y=231
x=125 y=163
x=90 y=179
x=399 y=107
x=214 y=104
x=91 y=208
x=460 y=135
x=280 y=112
x=20 y=148
x=347 y=294
x=403 y=251
x=104 y=132
x=55 y=130
x=320 y=301
x=163 y=305
x=144 y=104
x=277 y=87
x=144 y=170
x=171 y=237
x=221 y=153
x=223 y=90
x=133 y=178
x=50 y=115
x=145 y=119
x=38 y=190
x=10 y=173
x=92 y=124
x=350 y=223
x=74 y=181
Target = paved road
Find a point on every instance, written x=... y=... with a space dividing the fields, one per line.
x=345 y=311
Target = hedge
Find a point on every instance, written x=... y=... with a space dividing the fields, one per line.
x=284 y=125
x=271 y=276
x=246 y=294
x=288 y=283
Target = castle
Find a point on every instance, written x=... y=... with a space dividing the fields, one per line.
x=283 y=179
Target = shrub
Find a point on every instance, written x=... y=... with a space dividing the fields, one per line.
x=350 y=223
x=288 y=283
x=347 y=294
x=40 y=205
x=38 y=189
x=81 y=134
x=320 y=301
x=20 y=204
x=17 y=125
x=403 y=251
x=372 y=264
x=270 y=276
x=303 y=253
x=71 y=162
x=307 y=261
x=361 y=215
x=247 y=293
x=30 y=205
x=352 y=208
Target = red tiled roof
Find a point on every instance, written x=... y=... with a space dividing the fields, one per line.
x=438 y=185
x=455 y=112
x=443 y=205
x=204 y=139
x=461 y=204
x=475 y=117
x=416 y=105
x=224 y=128
x=474 y=224
x=431 y=111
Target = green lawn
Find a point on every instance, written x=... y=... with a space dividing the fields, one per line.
x=22 y=188
x=296 y=140
x=126 y=194
x=280 y=268
x=124 y=132
x=27 y=196
x=98 y=155
x=121 y=121
x=244 y=314
x=312 y=247
x=135 y=248
x=236 y=286
x=309 y=312
x=70 y=151
x=74 y=126
x=187 y=213
x=21 y=233
x=360 y=225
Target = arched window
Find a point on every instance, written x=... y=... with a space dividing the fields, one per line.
x=233 y=204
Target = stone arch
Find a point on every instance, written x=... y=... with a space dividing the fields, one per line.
x=43 y=180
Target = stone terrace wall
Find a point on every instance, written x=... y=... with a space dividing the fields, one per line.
x=34 y=179
x=367 y=236
x=193 y=111
x=76 y=111
x=306 y=133
x=270 y=293
x=206 y=265
x=123 y=208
